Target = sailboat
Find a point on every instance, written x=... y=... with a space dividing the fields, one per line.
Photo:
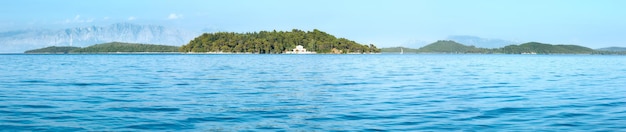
x=401 y=50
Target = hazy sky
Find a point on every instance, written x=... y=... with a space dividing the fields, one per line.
x=592 y=23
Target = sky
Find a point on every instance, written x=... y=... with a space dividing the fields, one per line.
x=591 y=23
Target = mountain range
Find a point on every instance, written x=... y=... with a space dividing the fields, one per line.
x=21 y=40
x=480 y=42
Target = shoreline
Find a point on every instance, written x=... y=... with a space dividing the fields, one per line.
x=209 y=53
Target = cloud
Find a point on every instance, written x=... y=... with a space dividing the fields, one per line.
x=173 y=16
x=106 y=18
x=131 y=18
x=77 y=19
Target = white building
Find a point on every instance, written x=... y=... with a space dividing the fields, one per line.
x=299 y=50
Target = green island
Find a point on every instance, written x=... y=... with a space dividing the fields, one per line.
x=126 y=47
x=611 y=51
x=53 y=50
x=275 y=42
x=451 y=47
x=614 y=49
x=113 y=47
x=541 y=48
x=447 y=46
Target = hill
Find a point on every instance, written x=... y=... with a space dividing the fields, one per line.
x=480 y=42
x=611 y=51
x=541 y=48
x=615 y=49
x=125 y=47
x=398 y=49
x=448 y=46
x=53 y=50
x=16 y=41
x=274 y=42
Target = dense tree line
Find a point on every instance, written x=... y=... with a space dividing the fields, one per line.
x=541 y=48
x=53 y=50
x=274 y=42
x=602 y=52
x=126 y=47
x=613 y=49
x=105 y=48
x=447 y=46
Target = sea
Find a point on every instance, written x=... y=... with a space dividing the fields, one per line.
x=380 y=92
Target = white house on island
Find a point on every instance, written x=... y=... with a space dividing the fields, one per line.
x=299 y=50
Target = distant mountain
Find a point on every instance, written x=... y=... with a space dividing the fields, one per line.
x=614 y=49
x=480 y=42
x=449 y=46
x=541 y=48
x=21 y=40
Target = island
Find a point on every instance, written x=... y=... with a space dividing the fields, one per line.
x=112 y=47
x=541 y=48
x=126 y=47
x=611 y=51
x=275 y=42
x=452 y=47
x=614 y=49
x=449 y=46
x=53 y=50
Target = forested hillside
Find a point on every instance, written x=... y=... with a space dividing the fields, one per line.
x=614 y=49
x=611 y=51
x=541 y=48
x=53 y=50
x=448 y=46
x=275 y=42
x=126 y=47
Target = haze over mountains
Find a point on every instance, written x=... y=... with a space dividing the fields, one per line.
x=21 y=40
x=464 y=39
x=480 y=42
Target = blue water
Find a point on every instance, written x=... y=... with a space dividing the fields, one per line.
x=312 y=92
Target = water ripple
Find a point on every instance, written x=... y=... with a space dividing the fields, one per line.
x=143 y=109
x=312 y=93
